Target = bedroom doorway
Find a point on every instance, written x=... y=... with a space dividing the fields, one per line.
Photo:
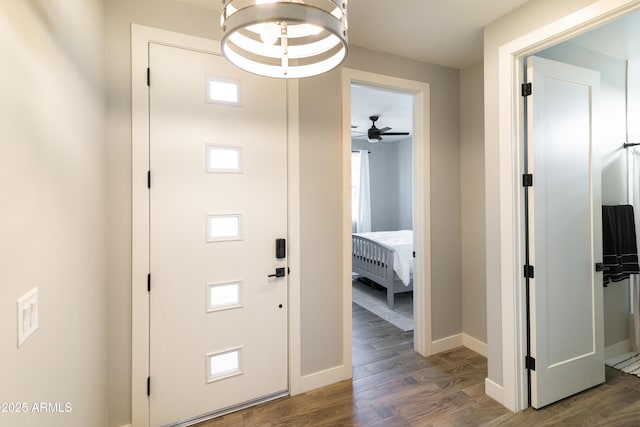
x=382 y=203
x=386 y=233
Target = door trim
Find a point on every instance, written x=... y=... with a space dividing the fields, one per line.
x=141 y=37
x=510 y=139
x=421 y=202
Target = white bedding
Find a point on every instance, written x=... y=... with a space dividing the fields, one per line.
x=401 y=242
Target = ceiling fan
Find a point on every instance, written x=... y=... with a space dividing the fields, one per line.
x=374 y=134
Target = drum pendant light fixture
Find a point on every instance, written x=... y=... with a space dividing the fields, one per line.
x=285 y=38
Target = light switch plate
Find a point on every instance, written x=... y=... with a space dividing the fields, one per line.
x=27 y=315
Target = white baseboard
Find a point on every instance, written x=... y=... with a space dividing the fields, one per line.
x=474 y=344
x=324 y=378
x=126 y=425
x=616 y=349
x=458 y=340
x=494 y=391
x=447 y=343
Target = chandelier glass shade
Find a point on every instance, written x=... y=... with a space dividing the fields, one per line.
x=285 y=38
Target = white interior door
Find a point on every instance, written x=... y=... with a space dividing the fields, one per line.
x=218 y=202
x=565 y=231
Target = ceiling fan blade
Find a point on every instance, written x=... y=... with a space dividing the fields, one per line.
x=383 y=130
x=394 y=133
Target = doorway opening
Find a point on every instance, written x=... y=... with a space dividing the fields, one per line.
x=604 y=52
x=395 y=152
x=511 y=123
x=382 y=213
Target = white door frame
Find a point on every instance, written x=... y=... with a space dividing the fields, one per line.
x=141 y=36
x=511 y=128
x=421 y=202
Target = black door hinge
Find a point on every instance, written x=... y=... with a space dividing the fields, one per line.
x=528 y=271
x=526 y=89
x=149 y=282
x=414 y=254
x=148 y=76
x=148 y=179
x=148 y=386
x=530 y=363
x=527 y=180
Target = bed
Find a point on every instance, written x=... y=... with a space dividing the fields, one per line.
x=386 y=258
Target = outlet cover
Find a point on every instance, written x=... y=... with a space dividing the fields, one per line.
x=27 y=315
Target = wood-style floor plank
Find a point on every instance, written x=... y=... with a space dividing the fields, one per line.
x=393 y=386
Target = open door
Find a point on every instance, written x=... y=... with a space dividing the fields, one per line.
x=565 y=232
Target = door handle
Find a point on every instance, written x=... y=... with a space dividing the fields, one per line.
x=599 y=266
x=280 y=272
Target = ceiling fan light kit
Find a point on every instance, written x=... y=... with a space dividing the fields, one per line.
x=285 y=38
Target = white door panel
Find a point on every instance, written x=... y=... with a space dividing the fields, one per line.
x=213 y=228
x=566 y=232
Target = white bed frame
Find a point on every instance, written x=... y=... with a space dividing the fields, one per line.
x=374 y=261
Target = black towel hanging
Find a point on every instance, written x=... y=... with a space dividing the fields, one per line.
x=620 y=252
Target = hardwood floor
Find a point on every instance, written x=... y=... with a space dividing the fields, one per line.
x=393 y=386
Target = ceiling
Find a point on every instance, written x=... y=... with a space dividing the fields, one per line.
x=618 y=38
x=448 y=33
x=394 y=109
x=443 y=32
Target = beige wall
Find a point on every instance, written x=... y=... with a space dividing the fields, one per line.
x=474 y=288
x=531 y=16
x=320 y=115
x=53 y=223
x=321 y=222
x=446 y=288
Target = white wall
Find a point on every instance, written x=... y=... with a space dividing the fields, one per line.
x=474 y=308
x=53 y=223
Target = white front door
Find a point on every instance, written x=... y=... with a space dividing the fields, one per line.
x=218 y=203
x=565 y=229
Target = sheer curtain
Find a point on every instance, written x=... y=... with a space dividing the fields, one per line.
x=360 y=192
x=364 y=213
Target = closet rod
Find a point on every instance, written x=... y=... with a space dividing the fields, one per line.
x=630 y=144
x=358 y=152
